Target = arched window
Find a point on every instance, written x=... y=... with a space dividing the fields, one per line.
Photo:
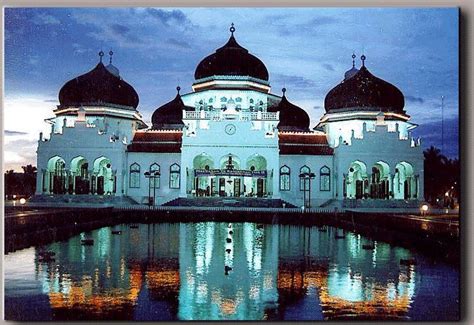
x=155 y=180
x=325 y=179
x=284 y=178
x=134 y=181
x=174 y=175
x=223 y=99
x=304 y=185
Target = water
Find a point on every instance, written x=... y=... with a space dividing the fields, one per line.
x=177 y=272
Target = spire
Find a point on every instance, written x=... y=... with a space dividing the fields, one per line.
x=178 y=89
x=353 y=59
x=232 y=29
x=283 y=90
x=110 y=54
x=363 y=60
x=101 y=54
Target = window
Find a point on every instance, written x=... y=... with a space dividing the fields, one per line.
x=325 y=179
x=134 y=181
x=210 y=100
x=223 y=99
x=284 y=178
x=238 y=99
x=174 y=175
x=304 y=185
x=155 y=180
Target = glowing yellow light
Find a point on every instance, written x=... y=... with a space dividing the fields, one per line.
x=424 y=207
x=22 y=201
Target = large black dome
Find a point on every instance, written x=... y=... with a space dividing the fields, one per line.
x=98 y=86
x=169 y=115
x=364 y=90
x=231 y=60
x=292 y=117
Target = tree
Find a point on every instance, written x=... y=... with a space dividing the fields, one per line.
x=441 y=175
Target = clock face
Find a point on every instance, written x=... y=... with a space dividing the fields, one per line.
x=230 y=129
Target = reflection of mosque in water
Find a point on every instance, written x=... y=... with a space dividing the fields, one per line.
x=221 y=271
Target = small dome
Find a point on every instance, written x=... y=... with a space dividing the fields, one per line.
x=231 y=60
x=361 y=89
x=350 y=73
x=169 y=115
x=98 y=86
x=113 y=70
x=292 y=117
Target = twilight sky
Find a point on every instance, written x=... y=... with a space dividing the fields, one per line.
x=305 y=50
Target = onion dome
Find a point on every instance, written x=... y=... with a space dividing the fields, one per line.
x=231 y=60
x=292 y=117
x=352 y=72
x=362 y=90
x=101 y=85
x=170 y=115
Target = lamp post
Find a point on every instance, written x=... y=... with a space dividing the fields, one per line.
x=307 y=177
x=150 y=176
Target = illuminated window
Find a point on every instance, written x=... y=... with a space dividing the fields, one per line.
x=155 y=180
x=284 y=178
x=174 y=175
x=304 y=185
x=325 y=179
x=134 y=181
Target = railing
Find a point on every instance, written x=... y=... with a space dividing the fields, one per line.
x=220 y=115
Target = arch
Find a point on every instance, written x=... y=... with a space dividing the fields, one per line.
x=356 y=180
x=155 y=181
x=229 y=160
x=203 y=161
x=285 y=178
x=175 y=174
x=80 y=181
x=134 y=175
x=256 y=162
x=304 y=186
x=57 y=175
x=380 y=181
x=103 y=176
x=404 y=182
x=325 y=179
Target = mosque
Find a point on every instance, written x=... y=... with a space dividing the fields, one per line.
x=232 y=138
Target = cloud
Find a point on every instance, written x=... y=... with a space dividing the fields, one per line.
x=178 y=43
x=120 y=29
x=328 y=67
x=51 y=101
x=168 y=16
x=294 y=82
x=414 y=99
x=11 y=132
x=44 y=19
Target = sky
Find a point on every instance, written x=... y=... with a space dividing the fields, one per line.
x=306 y=50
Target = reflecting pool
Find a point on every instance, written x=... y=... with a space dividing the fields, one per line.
x=222 y=271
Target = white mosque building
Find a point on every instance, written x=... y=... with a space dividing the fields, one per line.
x=232 y=138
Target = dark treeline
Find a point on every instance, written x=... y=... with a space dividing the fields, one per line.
x=20 y=184
x=442 y=178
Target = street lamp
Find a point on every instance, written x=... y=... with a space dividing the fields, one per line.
x=150 y=176
x=307 y=176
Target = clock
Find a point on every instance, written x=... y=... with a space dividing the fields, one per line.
x=230 y=129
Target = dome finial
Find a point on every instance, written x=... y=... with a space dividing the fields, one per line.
x=283 y=90
x=363 y=60
x=353 y=59
x=110 y=54
x=232 y=29
x=101 y=54
x=178 y=89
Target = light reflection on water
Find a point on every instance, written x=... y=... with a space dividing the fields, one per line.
x=221 y=271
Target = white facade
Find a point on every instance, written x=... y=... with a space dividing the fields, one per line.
x=229 y=145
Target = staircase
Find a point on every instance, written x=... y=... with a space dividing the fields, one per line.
x=229 y=202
